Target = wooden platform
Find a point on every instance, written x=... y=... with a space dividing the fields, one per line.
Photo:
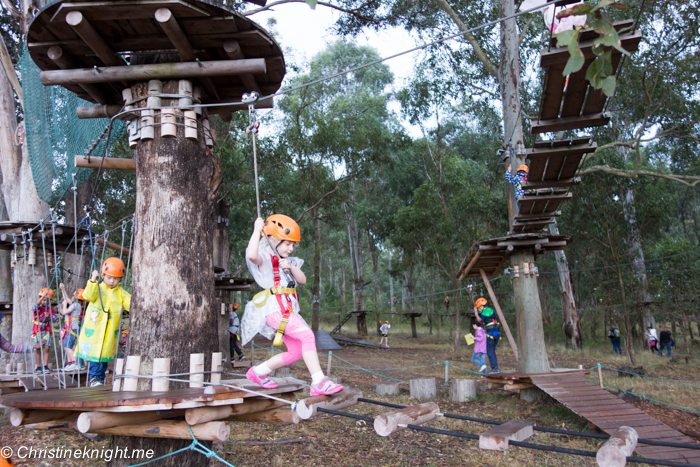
x=112 y=33
x=575 y=105
x=608 y=412
x=554 y=163
x=63 y=233
x=324 y=341
x=351 y=341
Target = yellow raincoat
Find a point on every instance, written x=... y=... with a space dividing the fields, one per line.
x=98 y=336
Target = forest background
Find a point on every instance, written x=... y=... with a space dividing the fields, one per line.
x=386 y=213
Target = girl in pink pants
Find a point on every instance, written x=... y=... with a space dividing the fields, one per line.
x=266 y=313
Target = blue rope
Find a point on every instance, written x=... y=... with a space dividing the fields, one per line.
x=642 y=396
x=368 y=371
x=464 y=369
x=650 y=377
x=195 y=446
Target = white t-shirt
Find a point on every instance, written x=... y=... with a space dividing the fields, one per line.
x=652 y=334
x=233 y=328
x=384 y=327
x=74 y=316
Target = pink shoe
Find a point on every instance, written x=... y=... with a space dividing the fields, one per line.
x=263 y=381
x=325 y=387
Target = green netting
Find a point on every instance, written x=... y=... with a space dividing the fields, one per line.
x=55 y=134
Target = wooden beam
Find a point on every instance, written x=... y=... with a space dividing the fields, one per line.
x=212 y=431
x=307 y=408
x=112 y=245
x=19 y=417
x=98 y=111
x=250 y=405
x=92 y=421
x=546 y=197
x=278 y=415
x=570 y=123
x=538 y=216
x=551 y=183
x=494 y=300
x=561 y=151
x=498 y=268
x=105 y=162
x=10 y=72
x=154 y=71
x=67 y=423
x=172 y=29
x=389 y=423
x=92 y=38
x=471 y=264
x=64 y=62
x=234 y=52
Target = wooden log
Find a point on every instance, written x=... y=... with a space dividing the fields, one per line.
x=172 y=29
x=462 y=390
x=600 y=376
x=155 y=71
x=216 y=367
x=212 y=431
x=199 y=415
x=615 y=451
x=278 y=415
x=389 y=423
x=515 y=386
x=234 y=52
x=19 y=417
x=118 y=370
x=196 y=366
x=494 y=300
x=113 y=246
x=64 y=62
x=497 y=438
x=471 y=264
x=89 y=422
x=307 y=408
x=67 y=423
x=133 y=365
x=423 y=388
x=161 y=368
x=92 y=38
x=105 y=162
x=388 y=389
x=98 y=111
x=330 y=363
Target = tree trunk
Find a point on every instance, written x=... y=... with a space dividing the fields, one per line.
x=173 y=312
x=409 y=295
x=625 y=312
x=316 y=288
x=636 y=251
x=5 y=289
x=533 y=357
x=572 y=325
x=458 y=316
x=358 y=281
x=77 y=260
x=375 y=271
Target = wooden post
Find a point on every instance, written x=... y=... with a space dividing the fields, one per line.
x=389 y=423
x=494 y=300
x=19 y=417
x=89 y=422
x=196 y=366
x=200 y=415
x=498 y=437
x=161 y=367
x=447 y=372
x=252 y=353
x=423 y=388
x=118 y=370
x=105 y=163
x=216 y=367
x=388 y=389
x=600 y=376
x=470 y=265
x=330 y=360
x=172 y=29
x=278 y=415
x=616 y=449
x=133 y=365
x=462 y=390
x=212 y=431
x=64 y=61
x=98 y=111
x=92 y=38
x=307 y=408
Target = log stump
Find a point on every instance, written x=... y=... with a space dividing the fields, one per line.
x=462 y=390
x=423 y=388
x=388 y=389
x=616 y=449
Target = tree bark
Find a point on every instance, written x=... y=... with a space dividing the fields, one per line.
x=409 y=293
x=358 y=282
x=75 y=264
x=572 y=324
x=173 y=312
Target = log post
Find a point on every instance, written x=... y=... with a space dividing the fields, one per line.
x=63 y=61
x=278 y=415
x=216 y=367
x=161 y=368
x=66 y=423
x=389 y=423
x=330 y=360
x=196 y=366
x=118 y=370
x=133 y=365
x=494 y=300
x=89 y=422
x=498 y=437
x=423 y=388
x=105 y=162
x=615 y=451
x=212 y=431
x=200 y=415
x=388 y=389
x=462 y=390
x=600 y=376
x=19 y=417
x=307 y=408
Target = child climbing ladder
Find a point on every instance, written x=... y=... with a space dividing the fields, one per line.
x=274 y=312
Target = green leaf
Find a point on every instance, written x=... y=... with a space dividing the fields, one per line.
x=618 y=6
x=607 y=63
x=565 y=37
x=602 y=4
x=593 y=73
x=582 y=9
x=575 y=62
x=608 y=85
x=312 y=3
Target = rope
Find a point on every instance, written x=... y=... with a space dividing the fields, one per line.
x=464 y=369
x=369 y=371
x=644 y=376
x=195 y=446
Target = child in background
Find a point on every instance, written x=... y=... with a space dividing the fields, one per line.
x=71 y=310
x=518 y=180
x=479 y=357
x=384 y=328
x=98 y=337
x=487 y=317
x=275 y=310
x=42 y=330
x=234 y=325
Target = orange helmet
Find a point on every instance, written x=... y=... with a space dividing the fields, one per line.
x=125 y=331
x=481 y=302
x=114 y=267
x=447 y=297
x=387 y=322
x=79 y=294
x=282 y=228
x=235 y=306
x=46 y=292
x=524 y=168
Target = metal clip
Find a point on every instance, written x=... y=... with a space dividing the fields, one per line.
x=154 y=430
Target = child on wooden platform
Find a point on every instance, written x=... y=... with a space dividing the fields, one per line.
x=8 y=347
x=486 y=316
x=43 y=315
x=71 y=310
x=98 y=337
x=479 y=357
x=384 y=329
x=518 y=180
x=275 y=310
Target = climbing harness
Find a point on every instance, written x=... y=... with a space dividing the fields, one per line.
x=285 y=308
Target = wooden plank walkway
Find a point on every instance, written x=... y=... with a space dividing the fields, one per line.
x=608 y=412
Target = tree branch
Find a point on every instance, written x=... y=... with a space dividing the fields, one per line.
x=329 y=5
x=687 y=180
x=337 y=185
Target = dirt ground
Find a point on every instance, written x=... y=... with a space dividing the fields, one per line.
x=338 y=441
